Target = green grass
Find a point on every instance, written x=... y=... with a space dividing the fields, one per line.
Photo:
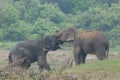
x=101 y=64
x=98 y=70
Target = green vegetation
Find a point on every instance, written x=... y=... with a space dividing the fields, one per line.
x=105 y=65
x=99 y=70
x=32 y=19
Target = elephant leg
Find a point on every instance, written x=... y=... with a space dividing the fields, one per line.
x=101 y=53
x=77 y=55
x=26 y=64
x=82 y=57
x=43 y=63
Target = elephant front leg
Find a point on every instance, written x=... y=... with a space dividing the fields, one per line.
x=77 y=55
x=42 y=63
x=101 y=53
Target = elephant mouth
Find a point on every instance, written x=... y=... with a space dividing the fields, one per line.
x=56 y=48
x=60 y=42
x=59 y=47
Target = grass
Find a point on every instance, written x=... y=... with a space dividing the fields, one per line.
x=98 y=70
x=104 y=64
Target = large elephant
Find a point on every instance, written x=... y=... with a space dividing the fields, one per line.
x=84 y=42
x=34 y=50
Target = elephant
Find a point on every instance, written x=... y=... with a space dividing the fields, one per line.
x=84 y=42
x=34 y=50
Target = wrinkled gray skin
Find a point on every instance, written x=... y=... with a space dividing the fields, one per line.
x=84 y=42
x=34 y=50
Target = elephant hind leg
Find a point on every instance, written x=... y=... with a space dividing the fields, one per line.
x=101 y=54
x=26 y=63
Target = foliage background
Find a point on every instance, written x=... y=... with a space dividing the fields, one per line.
x=32 y=19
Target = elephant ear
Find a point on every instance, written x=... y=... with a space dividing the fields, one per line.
x=70 y=34
x=70 y=37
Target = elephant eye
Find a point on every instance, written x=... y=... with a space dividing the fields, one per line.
x=67 y=34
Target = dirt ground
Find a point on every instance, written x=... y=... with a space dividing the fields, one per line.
x=3 y=57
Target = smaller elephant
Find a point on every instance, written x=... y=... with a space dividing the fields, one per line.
x=84 y=42
x=34 y=50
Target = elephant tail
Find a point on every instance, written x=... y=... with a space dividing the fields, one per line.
x=10 y=58
x=107 y=51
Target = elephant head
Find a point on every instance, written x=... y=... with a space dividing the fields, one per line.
x=50 y=43
x=65 y=35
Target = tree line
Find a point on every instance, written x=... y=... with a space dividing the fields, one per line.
x=32 y=19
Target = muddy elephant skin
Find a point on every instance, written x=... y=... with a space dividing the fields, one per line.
x=34 y=50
